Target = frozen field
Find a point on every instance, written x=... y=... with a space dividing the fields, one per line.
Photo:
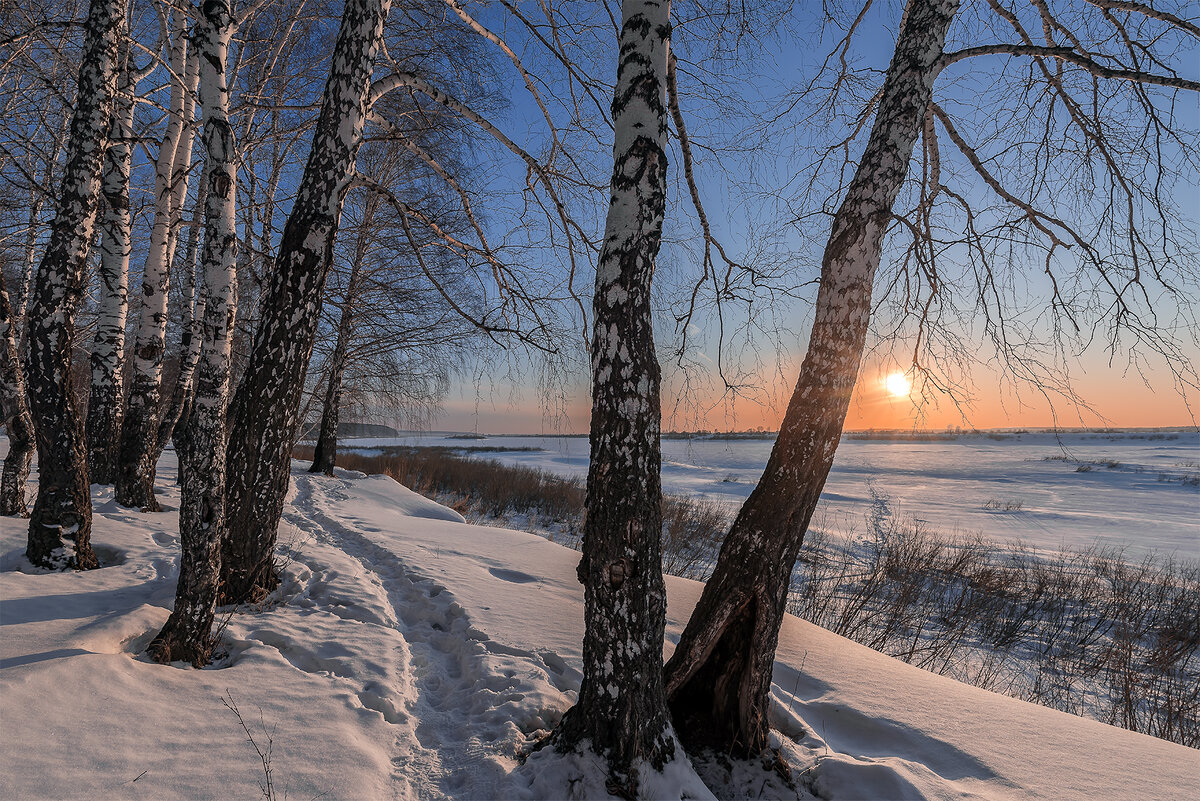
x=1135 y=489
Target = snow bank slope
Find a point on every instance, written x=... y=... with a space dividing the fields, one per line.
x=409 y=655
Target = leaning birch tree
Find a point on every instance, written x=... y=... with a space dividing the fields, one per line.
x=265 y=406
x=719 y=677
x=1082 y=104
x=187 y=634
x=61 y=523
x=621 y=711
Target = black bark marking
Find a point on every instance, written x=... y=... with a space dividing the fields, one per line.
x=265 y=407
x=61 y=523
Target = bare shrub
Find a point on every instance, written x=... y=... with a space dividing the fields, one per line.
x=264 y=751
x=1091 y=632
x=999 y=505
x=693 y=529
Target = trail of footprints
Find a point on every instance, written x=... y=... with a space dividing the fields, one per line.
x=442 y=683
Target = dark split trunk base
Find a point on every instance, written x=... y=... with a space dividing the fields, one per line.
x=719 y=678
x=706 y=708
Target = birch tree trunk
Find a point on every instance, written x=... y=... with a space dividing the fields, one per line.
x=61 y=524
x=622 y=709
x=105 y=400
x=187 y=635
x=719 y=677
x=15 y=408
x=30 y=263
x=192 y=327
x=267 y=399
x=325 y=452
x=135 y=471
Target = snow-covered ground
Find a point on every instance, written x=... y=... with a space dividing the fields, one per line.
x=410 y=655
x=1135 y=489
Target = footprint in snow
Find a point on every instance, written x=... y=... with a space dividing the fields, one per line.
x=515 y=576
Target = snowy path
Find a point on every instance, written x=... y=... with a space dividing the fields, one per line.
x=455 y=696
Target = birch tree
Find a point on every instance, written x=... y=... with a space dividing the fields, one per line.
x=1075 y=89
x=61 y=522
x=390 y=341
x=621 y=711
x=191 y=325
x=38 y=62
x=187 y=635
x=17 y=420
x=106 y=397
x=134 y=485
x=265 y=405
x=325 y=452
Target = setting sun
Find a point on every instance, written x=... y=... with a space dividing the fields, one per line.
x=898 y=385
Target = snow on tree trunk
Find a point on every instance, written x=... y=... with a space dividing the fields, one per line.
x=105 y=400
x=264 y=408
x=192 y=323
x=719 y=677
x=134 y=484
x=621 y=712
x=15 y=409
x=61 y=524
x=187 y=635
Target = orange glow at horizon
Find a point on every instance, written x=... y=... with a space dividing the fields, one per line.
x=888 y=399
x=1117 y=399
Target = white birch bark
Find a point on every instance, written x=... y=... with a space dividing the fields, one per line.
x=105 y=401
x=187 y=634
x=192 y=322
x=265 y=406
x=622 y=711
x=61 y=523
x=134 y=484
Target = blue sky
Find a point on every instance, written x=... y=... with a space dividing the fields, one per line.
x=1122 y=392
